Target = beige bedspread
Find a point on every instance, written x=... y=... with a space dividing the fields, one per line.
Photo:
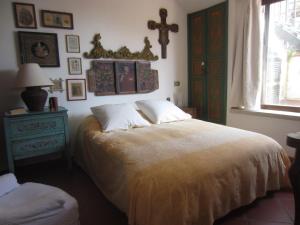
x=181 y=173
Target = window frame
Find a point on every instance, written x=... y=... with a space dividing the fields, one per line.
x=288 y=105
x=281 y=108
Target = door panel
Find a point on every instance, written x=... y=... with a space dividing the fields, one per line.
x=208 y=63
x=216 y=61
x=214 y=101
x=197 y=54
x=197 y=47
x=216 y=32
x=197 y=68
x=215 y=67
x=198 y=40
x=198 y=99
x=215 y=91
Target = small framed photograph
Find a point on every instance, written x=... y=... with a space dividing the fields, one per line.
x=24 y=15
x=74 y=65
x=76 y=89
x=125 y=77
x=72 y=43
x=41 y=48
x=57 y=85
x=56 y=19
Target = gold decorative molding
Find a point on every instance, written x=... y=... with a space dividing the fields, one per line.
x=123 y=53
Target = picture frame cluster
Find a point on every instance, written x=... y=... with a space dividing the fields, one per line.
x=76 y=88
x=73 y=46
x=104 y=78
x=25 y=17
x=42 y=47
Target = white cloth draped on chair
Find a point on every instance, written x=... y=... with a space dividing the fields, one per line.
x=244 y=52
x=35 y=204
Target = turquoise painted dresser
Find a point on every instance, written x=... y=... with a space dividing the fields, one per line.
x=35 y=134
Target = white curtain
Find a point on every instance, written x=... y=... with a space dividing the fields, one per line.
x=244 y=53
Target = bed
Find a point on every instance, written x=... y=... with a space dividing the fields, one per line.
x=180 y=173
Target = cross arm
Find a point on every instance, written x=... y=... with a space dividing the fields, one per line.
x=152 y=25
x=174 y=27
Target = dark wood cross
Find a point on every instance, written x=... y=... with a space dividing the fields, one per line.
x=164 y=29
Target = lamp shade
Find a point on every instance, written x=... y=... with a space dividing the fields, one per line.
x=31 y=75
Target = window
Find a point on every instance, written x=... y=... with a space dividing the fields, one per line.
x=281 y=55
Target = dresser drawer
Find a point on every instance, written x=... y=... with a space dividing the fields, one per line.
x=40 y=125
x=38 y=146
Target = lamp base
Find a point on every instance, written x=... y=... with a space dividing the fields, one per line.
x=34 y=98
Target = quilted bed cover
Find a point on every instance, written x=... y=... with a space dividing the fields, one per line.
x=181 y=173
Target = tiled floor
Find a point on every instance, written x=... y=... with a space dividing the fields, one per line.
x=276 y=208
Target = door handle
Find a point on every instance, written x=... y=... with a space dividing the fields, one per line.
x=203 y=67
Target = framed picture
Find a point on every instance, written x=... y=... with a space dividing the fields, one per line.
x=41 y=48
x=57 y=85
x=101 y=78
x=72 y=43
x=76 y=89
x=24 y=15
x=56 y=19
x=74 y=65
x=125 y=77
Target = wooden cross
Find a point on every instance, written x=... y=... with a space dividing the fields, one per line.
x=164 y=29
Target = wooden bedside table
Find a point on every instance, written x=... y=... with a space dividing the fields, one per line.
x=293 y=140
x=35 y=134
x=190 y=110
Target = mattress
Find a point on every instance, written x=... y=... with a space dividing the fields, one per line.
x=180 y=173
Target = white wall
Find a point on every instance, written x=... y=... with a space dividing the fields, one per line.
x=276 y=128
x=120 y=23
x=197 y=5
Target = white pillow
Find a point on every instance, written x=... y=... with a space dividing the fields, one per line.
x=160 y=111
x=118 y=116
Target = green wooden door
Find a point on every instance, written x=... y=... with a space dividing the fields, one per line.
x=207 y=31
x=197 y=57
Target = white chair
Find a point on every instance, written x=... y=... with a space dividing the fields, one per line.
x=35 y=204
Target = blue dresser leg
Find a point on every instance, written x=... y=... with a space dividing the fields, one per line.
x=11 y=166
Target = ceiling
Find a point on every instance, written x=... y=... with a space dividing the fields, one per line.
x=196 y=5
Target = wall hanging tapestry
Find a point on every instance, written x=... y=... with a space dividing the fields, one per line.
x=121 y=77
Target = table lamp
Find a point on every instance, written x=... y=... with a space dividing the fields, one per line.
x=31 y=77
